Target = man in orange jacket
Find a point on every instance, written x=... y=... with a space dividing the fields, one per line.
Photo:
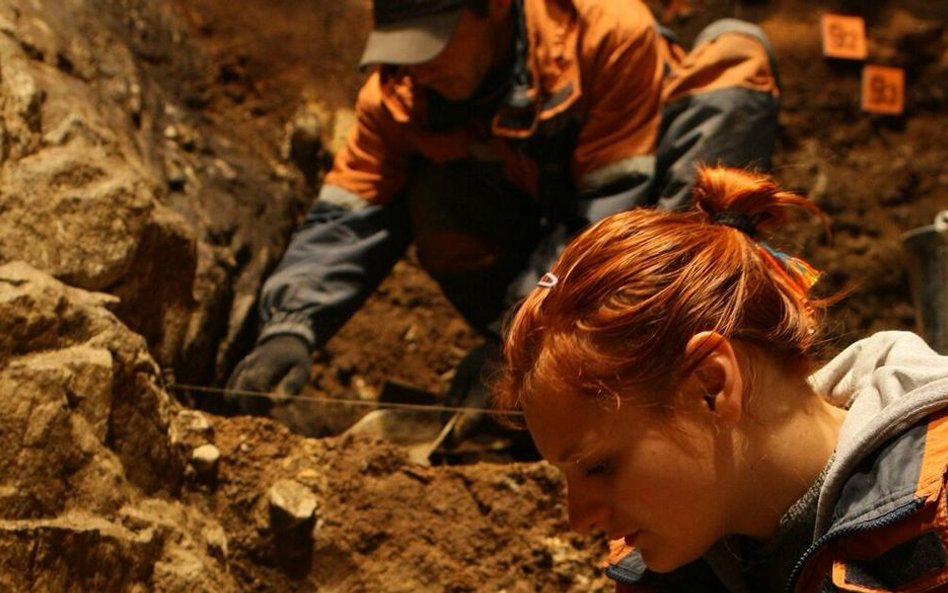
x=491 y=132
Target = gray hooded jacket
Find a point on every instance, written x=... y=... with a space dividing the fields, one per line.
x=892 y=384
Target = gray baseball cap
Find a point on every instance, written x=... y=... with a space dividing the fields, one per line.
x=410 y=31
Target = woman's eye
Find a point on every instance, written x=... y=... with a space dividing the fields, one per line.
x=597 y=469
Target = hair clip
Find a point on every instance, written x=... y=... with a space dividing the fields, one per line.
x=548 y=280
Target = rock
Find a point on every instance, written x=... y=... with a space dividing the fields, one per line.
x=185 y=572
x=66 y=215
x=216 y=539
x=191 y=429
x=87 y=413
x=191 y=423
x=304 y=144
x=205 y=458
x=87 y=125
x=75 y=553
x=343 y=121
x=156 y=299
x=291 y=505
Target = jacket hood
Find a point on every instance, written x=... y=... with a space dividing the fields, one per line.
x=888 y=382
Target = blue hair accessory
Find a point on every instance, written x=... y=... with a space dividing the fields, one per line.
x=802 y=274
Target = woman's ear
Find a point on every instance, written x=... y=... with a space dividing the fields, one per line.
x=716 y=376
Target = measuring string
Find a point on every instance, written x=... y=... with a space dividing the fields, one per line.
x=183 y=387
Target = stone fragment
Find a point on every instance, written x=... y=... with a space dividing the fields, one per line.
x=304 y=142
x=205 y=458
x=291 y=505
x=191 y=429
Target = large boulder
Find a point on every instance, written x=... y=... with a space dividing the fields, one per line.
x=81 y=409
x=89 y=457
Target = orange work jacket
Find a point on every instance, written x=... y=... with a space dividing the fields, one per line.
x=601 y=68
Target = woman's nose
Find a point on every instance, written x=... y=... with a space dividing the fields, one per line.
x=585 y=513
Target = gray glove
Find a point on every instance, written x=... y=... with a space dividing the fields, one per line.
x=279 y=365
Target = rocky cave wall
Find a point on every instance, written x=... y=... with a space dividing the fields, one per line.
x=112 y=180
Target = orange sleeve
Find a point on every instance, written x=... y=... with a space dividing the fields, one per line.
x=621 y=61
x=731 y=60
x=373 y=164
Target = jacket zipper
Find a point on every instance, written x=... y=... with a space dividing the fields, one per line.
x=899 y=514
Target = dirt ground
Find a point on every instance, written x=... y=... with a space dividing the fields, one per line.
x=484 y=527
x=876 y=176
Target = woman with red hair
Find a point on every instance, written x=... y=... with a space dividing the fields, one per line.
x=666 y=366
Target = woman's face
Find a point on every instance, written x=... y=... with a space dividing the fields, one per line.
x=650 y=481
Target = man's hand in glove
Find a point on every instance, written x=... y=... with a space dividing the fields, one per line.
x=279 y=365
x=470 y=389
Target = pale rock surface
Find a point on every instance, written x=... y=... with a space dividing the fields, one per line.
x=109 y=182
x=88 y=457
x=291 y=504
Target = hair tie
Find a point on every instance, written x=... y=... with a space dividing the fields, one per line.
x=736 y=220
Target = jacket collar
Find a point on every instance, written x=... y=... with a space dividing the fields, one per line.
x=550 y=54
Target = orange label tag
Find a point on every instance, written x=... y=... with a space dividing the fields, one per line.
x=883 y=89
x=844 y=37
